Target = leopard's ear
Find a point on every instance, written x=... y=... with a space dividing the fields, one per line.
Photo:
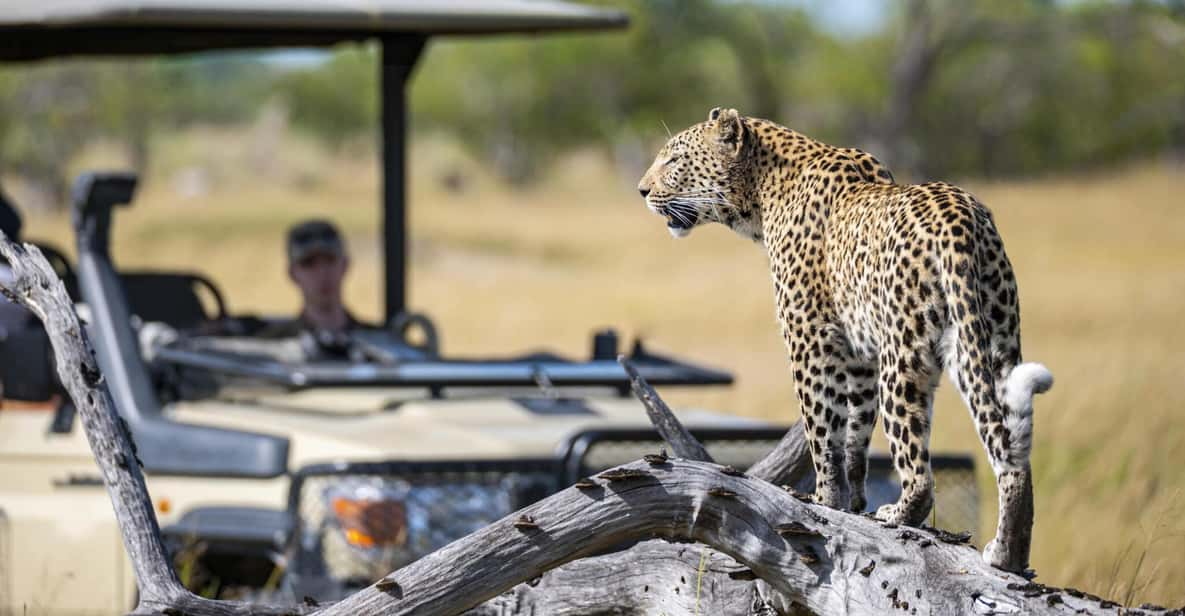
x=729 y=129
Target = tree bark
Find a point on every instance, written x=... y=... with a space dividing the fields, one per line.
x=796 y=552
x=826 y=560
x=653 y=577
x=788 y=463
x=668 y=426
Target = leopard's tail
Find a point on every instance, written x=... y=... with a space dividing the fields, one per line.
x=982 y=352
x=1024 y=381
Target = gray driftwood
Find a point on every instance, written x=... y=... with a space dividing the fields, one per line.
x=826 y=560
x=653 y=577
x=39 y=289
x=682 y=443
x=788 y=463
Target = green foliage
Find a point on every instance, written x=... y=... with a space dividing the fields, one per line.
x=1020 y=87
x=49 y=112
x=518 y=101
x=1066 y=89
x=1013 y=87
x=337 y=101
x=46 y=121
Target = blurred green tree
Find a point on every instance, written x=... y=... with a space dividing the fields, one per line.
x=49 y=112
x=335 y=102
x=944 y=88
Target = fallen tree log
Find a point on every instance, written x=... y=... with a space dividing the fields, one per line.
x=829 y=561
x=795 y=552
x=652 y=577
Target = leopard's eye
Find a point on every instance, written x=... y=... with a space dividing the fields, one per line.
x=673 y=158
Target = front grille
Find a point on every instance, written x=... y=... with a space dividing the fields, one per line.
x=345 y=538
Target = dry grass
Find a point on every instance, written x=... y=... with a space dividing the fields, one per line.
x=1100 y=260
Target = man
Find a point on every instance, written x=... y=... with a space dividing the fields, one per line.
x=317 y=264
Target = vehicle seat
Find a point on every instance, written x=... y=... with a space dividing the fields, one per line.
x=173 y=298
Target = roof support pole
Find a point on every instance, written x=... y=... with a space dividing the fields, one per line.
x=399 y=55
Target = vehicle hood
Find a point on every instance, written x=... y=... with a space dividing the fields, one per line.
x=365 y=424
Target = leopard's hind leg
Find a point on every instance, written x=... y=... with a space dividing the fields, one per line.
x=1003 y=418
x=908 y=378
x=983 y=359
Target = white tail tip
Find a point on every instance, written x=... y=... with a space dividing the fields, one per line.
x=1025 y=381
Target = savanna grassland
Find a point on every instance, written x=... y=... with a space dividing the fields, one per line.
x=1100 y=259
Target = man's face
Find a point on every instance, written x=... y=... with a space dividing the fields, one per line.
x=319 y=277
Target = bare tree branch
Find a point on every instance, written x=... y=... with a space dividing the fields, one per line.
x=682 y=443
x=38 y=288
x=789 y=462
x=827 y=560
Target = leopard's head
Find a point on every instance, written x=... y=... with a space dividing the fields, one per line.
x=699 y=176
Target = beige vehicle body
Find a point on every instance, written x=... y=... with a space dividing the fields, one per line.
x=60 y=548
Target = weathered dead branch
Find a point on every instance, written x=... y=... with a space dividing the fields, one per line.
x=826 y=560
x=788 y=462
x=682 y=443
x=653 y=577
x=39 y=289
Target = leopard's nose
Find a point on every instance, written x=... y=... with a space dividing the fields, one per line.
x=644 y=192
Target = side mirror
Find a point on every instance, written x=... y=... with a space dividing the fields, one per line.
x=26 y=370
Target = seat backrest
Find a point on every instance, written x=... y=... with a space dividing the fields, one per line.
x=169 y=297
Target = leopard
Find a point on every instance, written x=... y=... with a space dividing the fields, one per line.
x=879 y=289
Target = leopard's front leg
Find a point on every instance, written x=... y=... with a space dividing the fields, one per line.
x=818 y=354
x=858 y=381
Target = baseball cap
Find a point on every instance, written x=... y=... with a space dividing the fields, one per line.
x=314 y=237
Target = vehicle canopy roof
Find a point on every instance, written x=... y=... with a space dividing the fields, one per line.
x=36 y=29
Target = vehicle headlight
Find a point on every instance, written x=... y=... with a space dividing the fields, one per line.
x=370 y=516
x=377 y=524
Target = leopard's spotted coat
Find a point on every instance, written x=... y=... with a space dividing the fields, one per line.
x=879 y=287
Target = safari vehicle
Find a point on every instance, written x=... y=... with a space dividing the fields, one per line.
x=279 y=466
